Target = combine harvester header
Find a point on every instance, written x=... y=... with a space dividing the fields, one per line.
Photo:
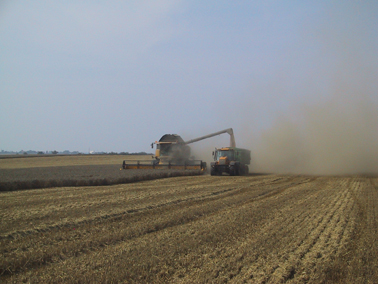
x=172 y=152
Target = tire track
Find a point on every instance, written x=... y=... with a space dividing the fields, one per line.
x=269 y=269
x=281 y=227
x=245 y=251
x=116 y=216
x=125 y=252
x=201 y=201
x=322 y=243
x=275 y=188
x=263 y=230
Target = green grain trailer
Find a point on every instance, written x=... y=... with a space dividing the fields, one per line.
x=231 y=160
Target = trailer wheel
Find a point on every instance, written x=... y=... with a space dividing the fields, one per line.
x=232 y=170
x=243 y=170
x=246 y=170
x=237 y=170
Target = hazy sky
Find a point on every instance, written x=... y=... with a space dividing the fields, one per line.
x=117 y=75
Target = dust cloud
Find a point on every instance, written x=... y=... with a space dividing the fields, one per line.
x=338 y=134
x=330 y=125
x=334 y=137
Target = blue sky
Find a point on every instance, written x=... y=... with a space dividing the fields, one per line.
x=117 y=75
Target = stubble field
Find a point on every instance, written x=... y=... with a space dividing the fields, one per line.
x=194 y=229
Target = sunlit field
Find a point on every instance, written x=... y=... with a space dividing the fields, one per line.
x=193 y=229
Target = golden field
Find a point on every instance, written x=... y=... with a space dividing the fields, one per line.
x=194 y=229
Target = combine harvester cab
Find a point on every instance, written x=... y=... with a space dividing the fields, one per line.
x=172 y=152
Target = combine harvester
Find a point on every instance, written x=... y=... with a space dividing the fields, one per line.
x=172 y=152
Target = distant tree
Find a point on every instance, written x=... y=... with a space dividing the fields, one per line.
x=40 y=153
x=54 y=152
x=140 y=153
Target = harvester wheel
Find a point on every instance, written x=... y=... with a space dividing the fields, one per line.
x=213 y=172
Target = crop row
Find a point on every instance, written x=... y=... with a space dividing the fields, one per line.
x=92 y=175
